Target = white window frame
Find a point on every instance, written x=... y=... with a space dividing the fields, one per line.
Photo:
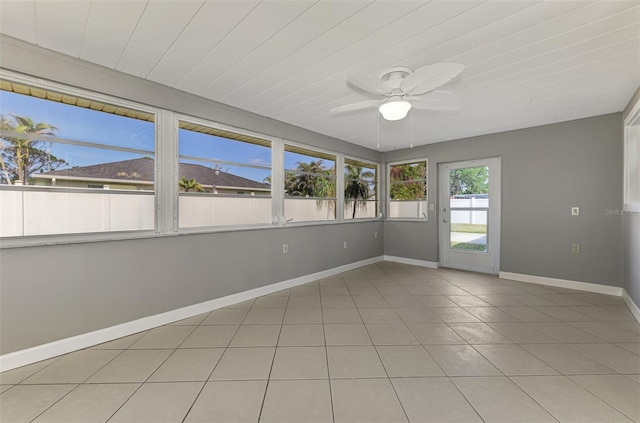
x=632 y=121
x=65 y=238
x=388 y=190
x=176 y=160
x=379 y=195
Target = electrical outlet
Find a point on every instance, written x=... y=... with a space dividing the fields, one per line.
x=345 y=244
x=575 y=248
x=375 y=235
x=575 y=211
x=432 y=207
x=285 y=248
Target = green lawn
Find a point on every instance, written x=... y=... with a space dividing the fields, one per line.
x=469 y=228
x=468 y=246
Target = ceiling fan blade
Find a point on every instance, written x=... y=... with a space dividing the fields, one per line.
x=428 y=78
x=368 y=83
x=356 y=106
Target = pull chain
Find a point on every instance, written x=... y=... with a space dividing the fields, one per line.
x=378 y=115
x=411 y=129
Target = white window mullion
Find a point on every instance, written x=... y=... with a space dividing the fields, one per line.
x=340 y=187
x=166 y=173
x=277 y=182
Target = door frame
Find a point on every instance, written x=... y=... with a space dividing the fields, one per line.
x=493 y=219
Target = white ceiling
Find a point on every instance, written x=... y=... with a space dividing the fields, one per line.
x=527 y=63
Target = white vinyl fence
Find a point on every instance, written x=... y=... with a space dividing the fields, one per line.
x=476 y=217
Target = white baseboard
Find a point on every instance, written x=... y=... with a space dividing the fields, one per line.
x=635 y=310
x=63 y=346
x=423 y=263
x=563 y=283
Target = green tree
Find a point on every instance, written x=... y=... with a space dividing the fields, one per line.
x=355 y=189
x=187 y=185
x=311 y=179
x=469 y=180
x=22 y=156
x=408 y=181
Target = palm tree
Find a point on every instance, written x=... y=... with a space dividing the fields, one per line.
x=187 y=185
x=355 y=188
x=26 y=155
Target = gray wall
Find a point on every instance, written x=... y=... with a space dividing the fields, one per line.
x=545 y=171
x=54 y=292
x=631 y=241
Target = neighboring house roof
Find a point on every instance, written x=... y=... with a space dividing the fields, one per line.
x=142 y=170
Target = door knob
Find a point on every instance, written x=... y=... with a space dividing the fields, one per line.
x=445 y=220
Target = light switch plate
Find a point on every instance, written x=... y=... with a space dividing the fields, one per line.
x=575 y=211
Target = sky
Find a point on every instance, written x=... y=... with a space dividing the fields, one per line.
x=81 y=124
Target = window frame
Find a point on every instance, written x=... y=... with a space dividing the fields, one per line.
x=631 y=121
x=389 y=184
x=64 y=238
x=378 y=181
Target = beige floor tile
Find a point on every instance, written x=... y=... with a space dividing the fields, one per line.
x=17 y=375
x=188 y=365
x=433 y=399
x=435 y=301
x=299 y=316
x=402 y=301
x=306 y=302
x=567 y=401
x=306 y=290
x=514 y=360
x=256 y=336
x=301 y=336
x=344 y=301
x=228 y=401
x=341 y=315
x=564 y=300
x=131 y=366
x=566 y=359
x=468 y=301
x=522 y=333
x=531 y=300
x=354 y=362
x=634 y=347
x=244 y=364
x=163 y=337
x=564 y=314
x=379 y=315
x=421 y=290
x=461 y=360
x=454 y=315
x=364 y=290
x=226 y=316
x=612 y=356
x=564 y=332
x=601 y=313
x=346 y=334
x=370 y=301
x=408 y=361
x=616 y=390
x=435 y=333
x=528 y=314
x=120 y=343
x=393 y=291
x=497 y=399
x=264 y=316
x=479 y=333
x=243 y=304
x=391 y=334
x=5 y=388
x=210 y=336
x=500 y=300
x=89 y=403
x=415 y=315
x=491 y=314
x=326 y=291
x=635 y=378
x=75 y=367
x=297 y=401
x=599 y=299
x=158 y=403
x=23 y=403
x=607 y=331
x=300 y=363
x=366 y=400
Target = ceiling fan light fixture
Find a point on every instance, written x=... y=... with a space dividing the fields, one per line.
x=395 y=109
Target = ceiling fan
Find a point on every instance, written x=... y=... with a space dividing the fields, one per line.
x=401 y=87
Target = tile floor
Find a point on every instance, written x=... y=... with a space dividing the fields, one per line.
x=383 y=343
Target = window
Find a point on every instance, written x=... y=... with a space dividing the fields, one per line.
x=360 y=189
x=632 y=160
x=224 y=177
x=73 y=163
x=309 y=185
x=408 y=190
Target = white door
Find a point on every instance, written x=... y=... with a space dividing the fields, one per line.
x=469 y=213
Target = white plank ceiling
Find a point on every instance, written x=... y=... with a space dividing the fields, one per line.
x=527 y=62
